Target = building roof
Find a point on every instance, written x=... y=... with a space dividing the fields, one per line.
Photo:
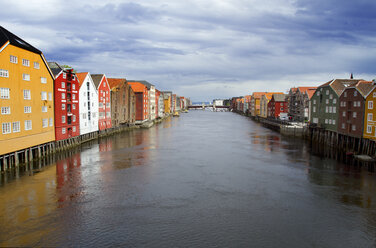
x=55 y=68
x=268 y=95
x=115 y=82
x=97 y=78
x=258 y=94
x=279 y=97
x=364 y=87
x=13 y=39
x=338 y=85
x=137 y=86
x=310 y=92
x=81 y=77
x=146 y=83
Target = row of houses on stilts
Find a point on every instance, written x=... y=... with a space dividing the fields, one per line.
x=44 y=102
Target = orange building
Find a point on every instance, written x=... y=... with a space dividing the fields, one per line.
x=142 y=101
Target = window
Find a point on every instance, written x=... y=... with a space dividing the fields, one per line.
x=74 y=129
x=74 y=106
x=369 y=129
x=334 y=100
x=345 y=94
x=108 y=114
x=331 y=96
x=358 y=103
x=108 y=105
x=318 y=93
x=355 y=103
x=36 y=65
x=327 y=101
x=16 y=127
x=374 y=94
x=26 y=77
x=63 y=106
x=25 y=62
x=74 y=118
x=326 y=109
x=354 y=114
x=5 y=110
x=63 y=130
x=62 y=95
x=333 y=122
x=370 y=117
x=334 y=110
x=50 y=122
x=28 y=125
x=73 y=86
x=314 y=101
x=63 y=119
x=327 y=92
x=355 y=93
x=63 y=85
x=88 y=85
x=4 y=93
x=44 y=109
x=326 y=121
x=44 y=95
x=27 y=109
x=344 y=113
x=330 y=109
x=353 y=127
x=344 y=104
x=330 y=121
x=73 y=96
x=43 y=80
x=370 y=105
x=44 y=123
x=4 y=73
x=6 y=128
x=343 y=125
x=49 y=96
x=27 y=94
x=64 y=75
x=13 y=59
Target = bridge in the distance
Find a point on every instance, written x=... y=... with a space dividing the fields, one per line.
x=204 y=106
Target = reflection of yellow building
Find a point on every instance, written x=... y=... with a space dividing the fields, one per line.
x=26 y=95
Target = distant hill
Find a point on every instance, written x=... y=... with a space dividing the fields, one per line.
x=200 y=103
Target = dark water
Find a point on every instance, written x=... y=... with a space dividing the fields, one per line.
x=202 y=180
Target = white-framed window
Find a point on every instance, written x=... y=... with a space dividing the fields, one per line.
x=330 y=121
x=62 y=95
x=327 y=101
x=27 y=109
x=326 y=109
x=108 y=114
x=44 y=123
x=355 y=93
x=63 y=130
x=83 y=115
x=4 y=73
x=16 y=126
x=64 y=75
x=63 y=119
x=5 y=110
x=63 y=85
x=344 y=113
x=43 y=80
x=355 y=103
x=369 y=129
x=370 y=104
x=330 y=109
x=333 y=122
x=73 y=106
x=6 y=127
x=74 y=129
x=28 y=125
x=334 y=100
x=25 y=62
x=344 y=104
x=343 y=125
x=334 y=110
x=49 y=96
x=316 y=120
x=13 y=59
x=354 y=114
x=326 y=121
x=63 y=106
x=26 y=77
x=370 y=117
x=44 y=109
x=44 y=95
x=27 y=94
x=353 y=127
x=314 y=109
x=4 y=93
x=374 y=94
x=327 y=92
x=345 y=94
x=74 y=118
x=36 y=65
x=318 y=93
x=358 y=103
x=73 y=96
x=331 y=96
x=108 y=105
x=73 y=86
x=50 y=122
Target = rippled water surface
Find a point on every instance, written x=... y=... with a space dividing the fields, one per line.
x=202 y=180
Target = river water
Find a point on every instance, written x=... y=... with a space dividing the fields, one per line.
x=206 y=179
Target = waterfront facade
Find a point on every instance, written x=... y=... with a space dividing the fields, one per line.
x=88 y=102
x=324 y=103
x=369 y=129
x=119 y=101
x=26 y=95
x=299 y=103
x=104 y=101
x=277 y=105
x=255 y=103
x=167 y=101
x=142 y=101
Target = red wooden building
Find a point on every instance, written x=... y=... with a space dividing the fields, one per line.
x=66 y=92
x=104 y=101
x=142 y=101
x=277 y=105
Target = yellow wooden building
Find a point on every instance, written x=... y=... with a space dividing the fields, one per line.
x=167 y=101
x=26 y=95
x=369 y=130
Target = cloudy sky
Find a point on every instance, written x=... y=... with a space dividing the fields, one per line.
x=204 y=49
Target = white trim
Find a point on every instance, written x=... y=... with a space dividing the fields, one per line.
x=6 y=44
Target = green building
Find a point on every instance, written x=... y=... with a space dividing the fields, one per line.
x=324 y=103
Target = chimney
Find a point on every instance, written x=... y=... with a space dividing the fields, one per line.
x=351 y=76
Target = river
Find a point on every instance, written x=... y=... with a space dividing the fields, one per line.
x=205 y=179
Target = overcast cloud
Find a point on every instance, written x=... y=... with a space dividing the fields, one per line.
x=204 y=49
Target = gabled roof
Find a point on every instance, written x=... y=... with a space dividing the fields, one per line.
x=365 y=87
x=137 y=86
x=310 y=92
x=268 y=95
x=279 y=97
x=338 y=85
x=258 y=94
x=55 y=68
x=13 y=39
x=97 y=78
x=115 y=82
x=146 y=83
x=81 y=77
